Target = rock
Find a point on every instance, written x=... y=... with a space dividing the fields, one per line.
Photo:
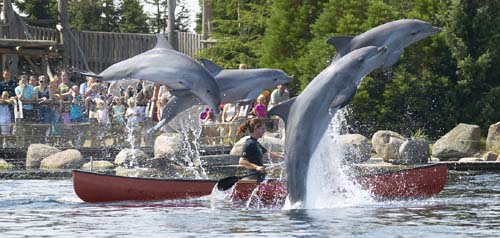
x=98 y=165
x=415 y=151
x=168 y=145
x=386 y=144
x=238 y=146
x=471 y=159
x=68 y=159
x=4 y=165
x=461 y=141
x=489 y=156
x=358 y=150
x=36 y=153
x=493 y=138
x=131 y=158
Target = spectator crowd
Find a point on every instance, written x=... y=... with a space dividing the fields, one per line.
x=36 y=109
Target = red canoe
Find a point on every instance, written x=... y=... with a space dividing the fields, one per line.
x=424 y=181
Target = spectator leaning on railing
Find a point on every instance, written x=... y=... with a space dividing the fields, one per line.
x=5 y=116
x=8 y=84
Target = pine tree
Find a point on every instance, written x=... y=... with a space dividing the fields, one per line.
x=86 y=15
x=133 y=19
x=39 y=13
x=287 y=33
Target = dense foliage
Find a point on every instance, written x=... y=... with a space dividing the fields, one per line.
x=438 y=82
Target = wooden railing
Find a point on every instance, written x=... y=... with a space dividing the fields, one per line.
x=103 y=49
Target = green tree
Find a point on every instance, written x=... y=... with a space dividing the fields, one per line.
x=40 y=12
x=471 y=28
x=133 y=19
x=238 y=27
x=287 y=33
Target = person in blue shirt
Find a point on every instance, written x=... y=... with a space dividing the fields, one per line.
x=27 y=94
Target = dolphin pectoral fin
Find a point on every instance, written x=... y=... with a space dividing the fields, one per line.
x=213 y=68
x=283 y=109
x=180 y=92
x=344 y=98
x=161 y=42
x=252 y=95
x=341 y=43
x=392 y=58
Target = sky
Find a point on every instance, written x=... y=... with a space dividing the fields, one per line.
x=192 y=5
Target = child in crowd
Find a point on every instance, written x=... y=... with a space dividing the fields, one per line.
x=259 y=109
x=133 y=115
x=5 y=115
x=118 y=111
x=76 y=108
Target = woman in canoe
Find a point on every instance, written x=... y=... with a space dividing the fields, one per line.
x=253 y=152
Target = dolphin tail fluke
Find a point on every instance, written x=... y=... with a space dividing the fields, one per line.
x=341 y=43
x=161 y=42
x=213 y=68
x=283 y=109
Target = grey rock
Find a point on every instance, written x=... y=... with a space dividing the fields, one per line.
x=358 y=150
x=471 y=159
x=98 y=165
x=493 y=138
x=415 y=151
x=68 y=159
x=462 y=141
x=386 y=144
x=168 y=145
x=131 y=158
x=36 y=153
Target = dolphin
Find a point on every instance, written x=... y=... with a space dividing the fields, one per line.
x=235 y=85
x=395 y=35
x=163 y=65
x=308 y=115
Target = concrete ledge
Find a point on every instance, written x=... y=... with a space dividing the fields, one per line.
x=467 y=166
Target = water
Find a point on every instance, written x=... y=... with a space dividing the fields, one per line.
x=468 y=207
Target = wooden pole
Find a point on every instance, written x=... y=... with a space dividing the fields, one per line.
x=206 y=19
x=10 y=61
x=62 y=8
x=171 y=23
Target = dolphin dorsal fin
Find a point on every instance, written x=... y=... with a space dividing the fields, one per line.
x=283 y=109
x=161 y=42
x=213 y=68
x=341 y=43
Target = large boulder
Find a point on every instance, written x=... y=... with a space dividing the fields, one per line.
x=36 y=153
x=358 y=150
x=386 y=144
x=489 y=156
x=4 y=165
x=168 y=145
x=68 y=159
x=462 y=141
x=131 y=158
x=415 y=151
x=98 y=165
x=493 y=138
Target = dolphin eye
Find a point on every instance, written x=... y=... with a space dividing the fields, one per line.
x=208 y=90
x=275 y=79
x=361 y=60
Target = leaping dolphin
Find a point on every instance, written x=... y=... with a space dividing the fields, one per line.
x=307 y=116
x=395 y=35
x=235 y=85
x=163 y=65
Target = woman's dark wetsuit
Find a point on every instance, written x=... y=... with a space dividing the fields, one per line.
x=253 y=152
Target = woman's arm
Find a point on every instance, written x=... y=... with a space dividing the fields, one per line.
x=274 y=155
x=246 y=164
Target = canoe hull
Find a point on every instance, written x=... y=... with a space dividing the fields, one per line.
x=420 y=182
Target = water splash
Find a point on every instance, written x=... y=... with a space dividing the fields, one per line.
x=330 y=182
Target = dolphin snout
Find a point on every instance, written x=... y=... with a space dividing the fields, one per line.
x=436 y=29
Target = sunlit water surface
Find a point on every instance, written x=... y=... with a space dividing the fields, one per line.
x=468 y=207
